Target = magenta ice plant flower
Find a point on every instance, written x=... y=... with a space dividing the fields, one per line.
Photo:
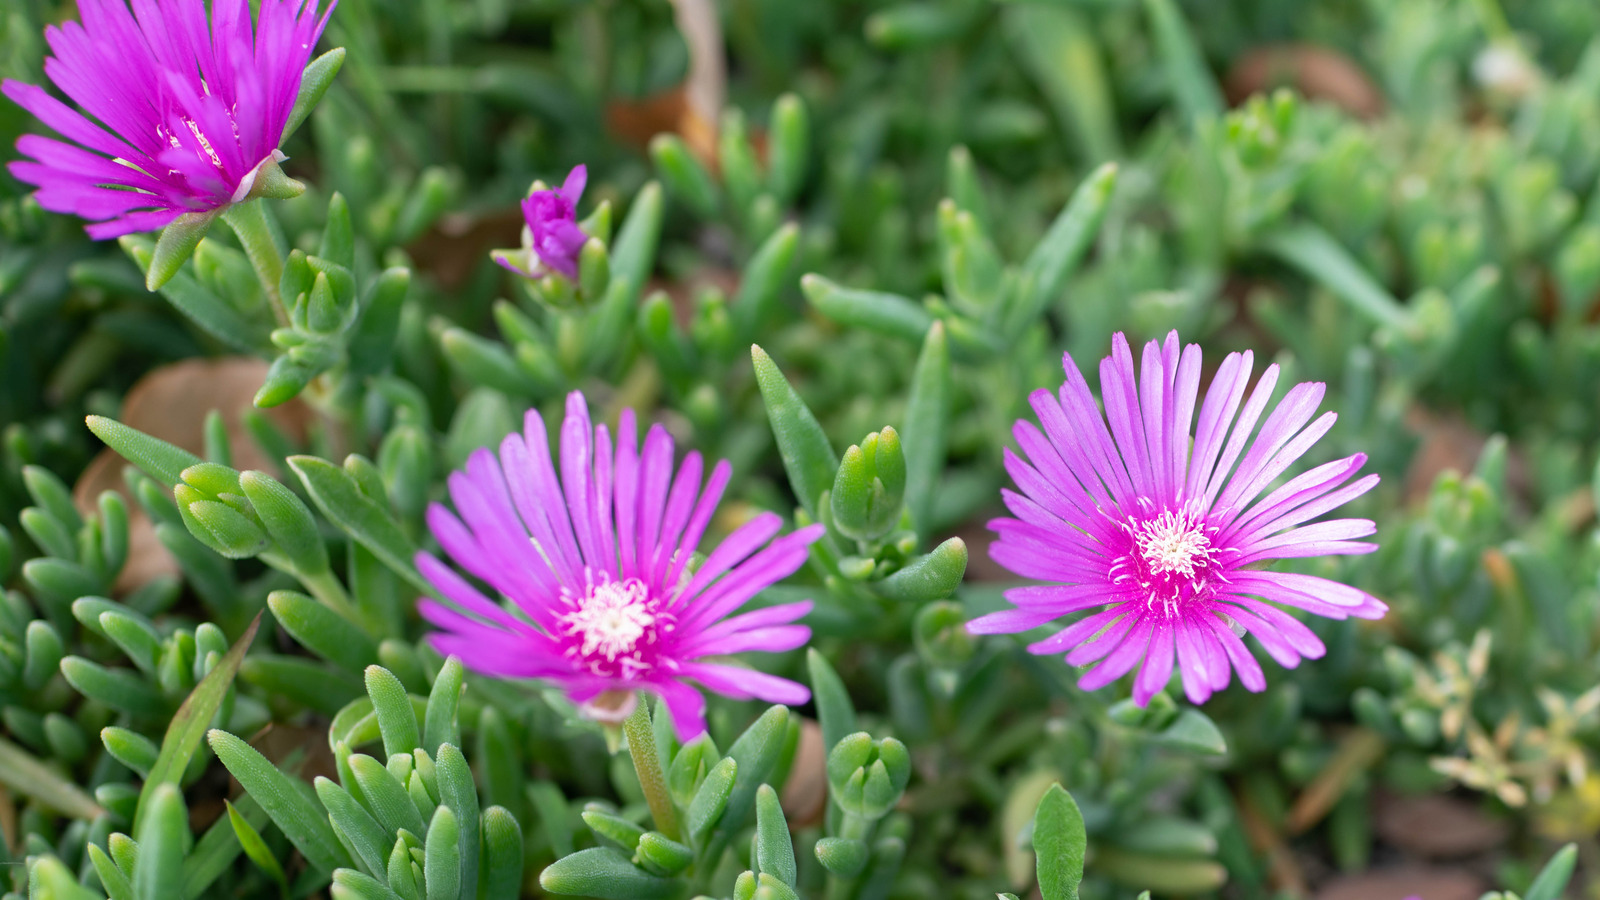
x=551 y=238
x=177 y=113
x=595 y=559
x=1165 y=538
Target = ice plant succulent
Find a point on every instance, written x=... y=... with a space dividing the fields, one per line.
x=551 y=238
x=187 y=113
x=1168 y=537
x=594 y=551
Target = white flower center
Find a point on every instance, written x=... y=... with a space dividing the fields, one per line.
x=1172 y=544
x=611 y=617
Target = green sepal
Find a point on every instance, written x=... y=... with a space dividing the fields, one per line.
x=271 y=184
x=314 y=82
x=175 y=245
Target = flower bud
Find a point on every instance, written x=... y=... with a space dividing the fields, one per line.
x=941 y=636
x=661 y=855
x=218 y=525
x=867 y=777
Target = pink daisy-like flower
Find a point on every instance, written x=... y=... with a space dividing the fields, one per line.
x=188 y=110
x=595 y=557
x=1170 y=537
x=551 y=239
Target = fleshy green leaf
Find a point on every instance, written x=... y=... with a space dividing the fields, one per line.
x=604 y=873
x=807 y=456
x=1045 y=274
x=323 y=631
x=774 y=849
x=1552 y=881
x=1193 y=731
x=339 y=497
x=162 y=835
x=303 y=823
x=440 y=725
x=1059 y=842
x=254 y=847
x=835 y=712
x=29 y=777
x=931 y=577
x=155 y=457
x=189 y=725
x=396 y=721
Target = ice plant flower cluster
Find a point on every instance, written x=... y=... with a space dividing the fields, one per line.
x=551 y=238
x=1165 y=540
x=185 y=112
x=595 y=558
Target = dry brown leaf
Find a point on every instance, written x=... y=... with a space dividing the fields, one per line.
x=171 y=403
x=1317 y=73
x=1437 y=825
x=1449 y=442
x=682 y=291
x=1357 y=751
x=805 y=794
x=1283 y=871
x=1398 y=884
x=692 y=109
x=458 y=243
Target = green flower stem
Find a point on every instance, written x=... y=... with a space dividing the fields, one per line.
x=249 y=221
x=330 y=593
x=1494 y=21
x=856 y=826
x=642 y=747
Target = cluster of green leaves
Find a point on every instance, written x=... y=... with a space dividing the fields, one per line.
x=903 y=154
x=706 y=802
